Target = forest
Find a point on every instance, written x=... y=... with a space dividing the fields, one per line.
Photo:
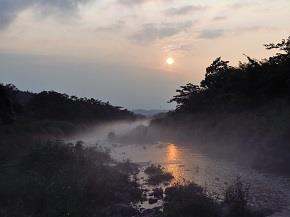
x=51 y=105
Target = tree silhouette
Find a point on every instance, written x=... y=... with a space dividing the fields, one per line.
x=185 y=94
x=215 y=74
x=51 y=105
x=228 y=88
x=283 y=47
x=6 y=112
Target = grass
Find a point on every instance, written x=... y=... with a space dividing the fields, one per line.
x=157 y=175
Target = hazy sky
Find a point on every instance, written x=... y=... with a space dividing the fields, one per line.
x=116 y=50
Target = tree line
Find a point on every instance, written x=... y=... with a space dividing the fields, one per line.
x=51 y=105
x=226 y=88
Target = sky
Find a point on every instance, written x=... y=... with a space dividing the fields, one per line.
x=116 y=50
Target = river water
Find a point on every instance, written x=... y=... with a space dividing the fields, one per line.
x=185 y=163
x=266 y=190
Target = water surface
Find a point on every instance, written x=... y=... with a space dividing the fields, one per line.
x=185 y=163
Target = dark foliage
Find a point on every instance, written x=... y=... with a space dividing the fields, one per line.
x=55 y=106
x=236 y=199
x=157 y=175
x=6 y=111
x=188 y=200
x=57 y=179
x=51 y=105
x=230 y=89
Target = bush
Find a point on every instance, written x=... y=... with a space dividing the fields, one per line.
x=157 y=175
x=236 y=200
x=189 y=200
x=57 y=179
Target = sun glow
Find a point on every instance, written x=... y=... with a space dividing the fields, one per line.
x=170 y=61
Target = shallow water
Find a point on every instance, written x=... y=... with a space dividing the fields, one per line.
x=185 y=163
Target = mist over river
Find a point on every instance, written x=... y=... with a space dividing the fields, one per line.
x=267 y=190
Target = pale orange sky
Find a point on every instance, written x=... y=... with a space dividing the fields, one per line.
x=116 y=50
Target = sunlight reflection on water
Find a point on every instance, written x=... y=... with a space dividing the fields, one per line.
x=172 y=164
x=185 y=163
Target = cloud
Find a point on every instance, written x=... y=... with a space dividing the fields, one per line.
x=217 y=33
x=112 y=28
x=242 y=5
x=212 y=33
x=152 y=31
x=183 y=10
x=9 y=9
x=254 y=29
x=178 y=48
x=219 y=18
x=132 y=2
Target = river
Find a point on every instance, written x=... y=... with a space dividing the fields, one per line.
x=185 y=163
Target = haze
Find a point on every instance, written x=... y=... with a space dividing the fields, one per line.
x=116 y=50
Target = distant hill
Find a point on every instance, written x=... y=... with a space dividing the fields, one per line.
x=51 y=105
x=149 y=113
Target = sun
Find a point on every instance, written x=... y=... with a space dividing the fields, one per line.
x=170 y=61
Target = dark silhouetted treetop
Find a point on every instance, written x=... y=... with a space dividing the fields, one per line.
x=226 y=88
x=6 y=111
x=185 y=93
x=215 y=74
x=283 y=47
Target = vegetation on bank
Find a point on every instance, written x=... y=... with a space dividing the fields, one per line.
x=54 y=106
x=57 y=179
x=40 y=178
x=157 y=175
x=52 y=115
x=187 y=200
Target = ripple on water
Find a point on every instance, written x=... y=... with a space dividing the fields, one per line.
x=267 y=190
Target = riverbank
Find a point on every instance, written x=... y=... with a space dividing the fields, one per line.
x=258 y=137
x=53 y=178
x=58 y=179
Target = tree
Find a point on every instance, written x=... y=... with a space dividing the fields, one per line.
x=228 y=88
x=215 y=74
x=283 y=47
x=6 y=111
x=185 y=94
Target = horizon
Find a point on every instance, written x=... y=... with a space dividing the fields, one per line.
x=114 y=51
